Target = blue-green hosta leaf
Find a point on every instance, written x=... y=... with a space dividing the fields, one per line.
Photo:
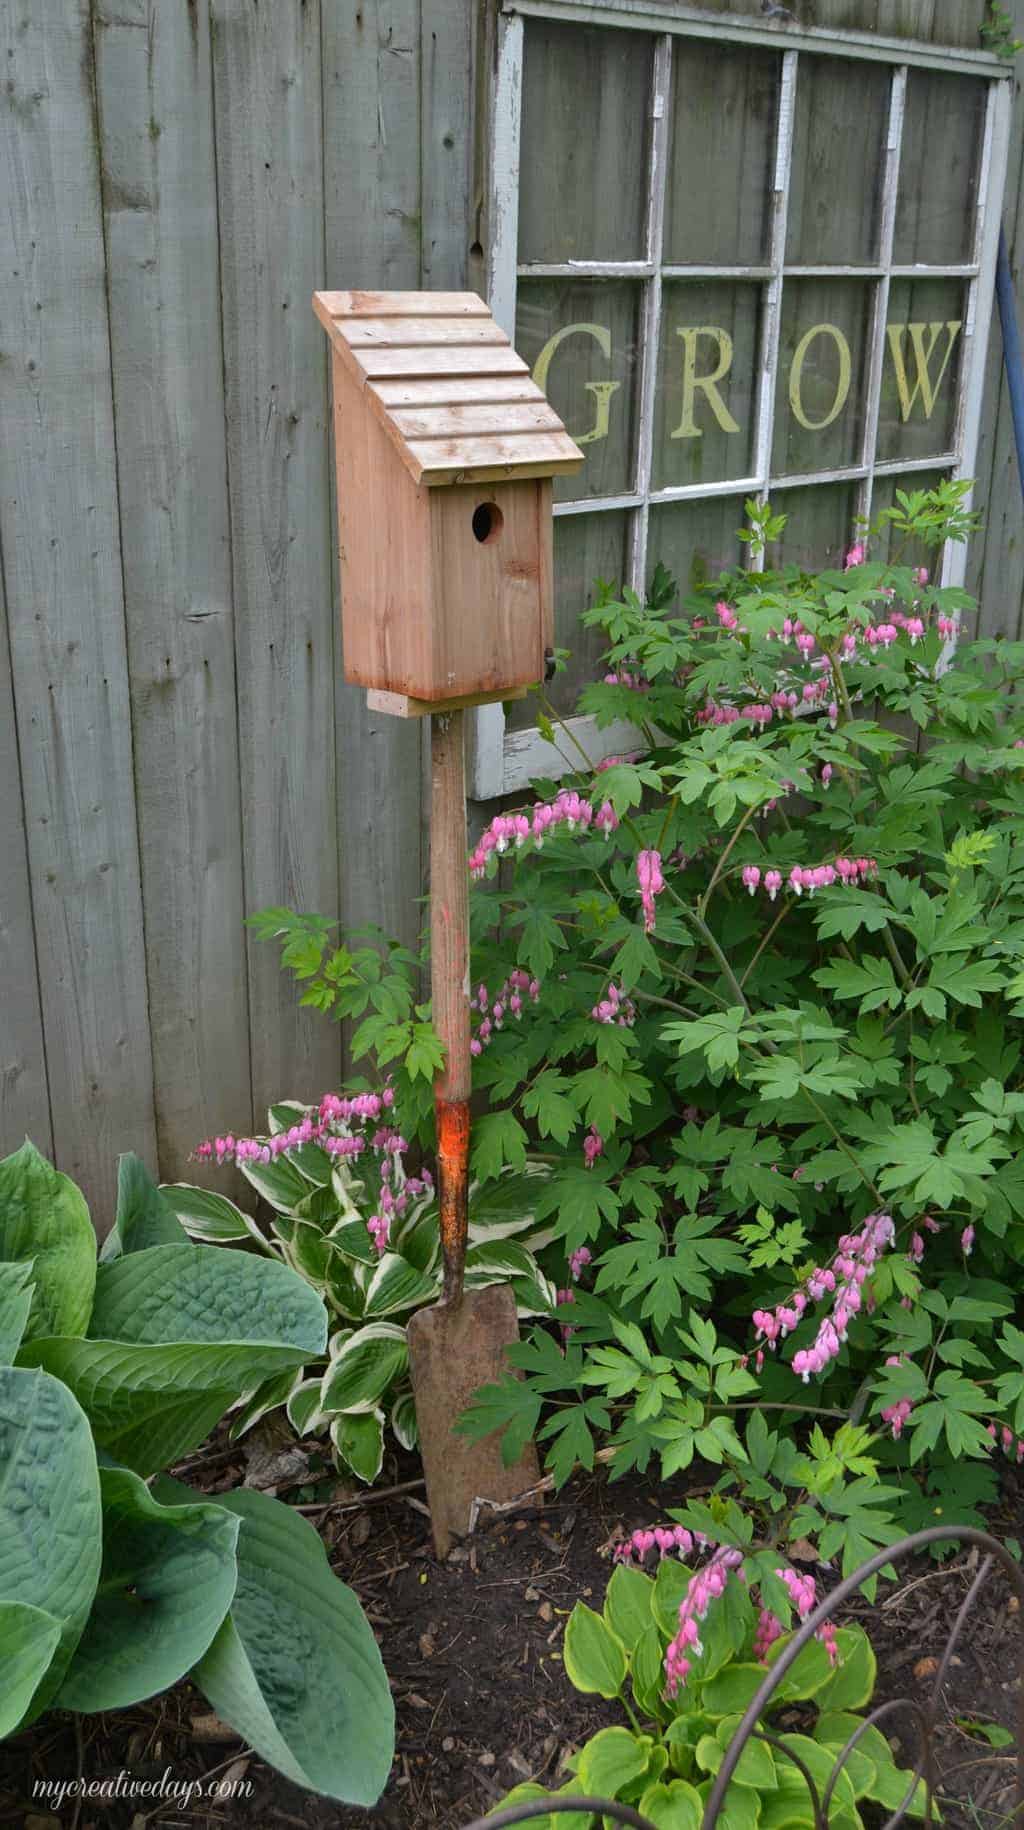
x=358 y=1440
x=44 y=1220
x=28 y=1640
x=144 y=1216
x=209 y=1218
x=50 y=1530
x=403 y=1420
x=15 y=1305
x=363 y=1367
x=177 y=1332
x=295 y=1667
x=167 y=1581
x=396 y=1285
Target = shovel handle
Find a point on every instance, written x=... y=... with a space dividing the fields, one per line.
x=449 y=985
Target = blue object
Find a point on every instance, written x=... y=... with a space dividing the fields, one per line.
x=1011 y=349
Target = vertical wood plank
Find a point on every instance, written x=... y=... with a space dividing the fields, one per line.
x=60 y=533
x=446 y=142
x=24 y=1094
x=160 y=205
x=267 y=112
x=372 y=198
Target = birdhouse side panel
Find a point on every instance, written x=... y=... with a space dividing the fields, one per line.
x=384 y=543
x=492 y=585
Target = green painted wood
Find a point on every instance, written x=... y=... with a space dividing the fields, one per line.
x=372 y=227
x=59 y=527
x=270 y=194
x=160 y=203
x=24 y=1094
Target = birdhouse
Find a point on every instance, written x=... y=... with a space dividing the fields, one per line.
x=444 y=453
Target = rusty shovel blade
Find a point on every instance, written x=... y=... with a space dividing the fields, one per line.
x=452 y=1352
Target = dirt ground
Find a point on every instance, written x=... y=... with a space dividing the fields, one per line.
x=473 y=1654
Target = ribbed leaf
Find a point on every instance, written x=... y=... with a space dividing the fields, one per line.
x=144 y=1217
x=210 y=1218
x=15 y=1305
x=396 y=1285
x=28 y=1640
x=363 y=1369
x=295 y=1667
x=50 y=1533
x=44 y=1221
x=167 y=1581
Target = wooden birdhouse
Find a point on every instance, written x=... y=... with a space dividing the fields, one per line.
x=445 y=449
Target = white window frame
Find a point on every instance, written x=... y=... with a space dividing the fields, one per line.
x=504 y=761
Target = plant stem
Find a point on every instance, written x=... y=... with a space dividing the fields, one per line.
x=777 y=923
x=720 y=866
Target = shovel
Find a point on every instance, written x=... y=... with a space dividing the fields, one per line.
x=459 y=1343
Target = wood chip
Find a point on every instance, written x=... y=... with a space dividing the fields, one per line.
x=211 y=1728
x=925 y=1668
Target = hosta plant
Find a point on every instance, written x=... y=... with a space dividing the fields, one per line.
x=684 y=1651
x=115 y=1580
x=349 y=1218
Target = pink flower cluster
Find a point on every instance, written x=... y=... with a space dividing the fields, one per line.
x=1011 y=1445
x=621 y=676
x=702 y=1589
x=508 y=1003
x=593 y=1146
x=842 y=1281
x=667 y=1540
x=895 y=1415
x=651 y=881
x=847 y=871
x=514 y=830
x=578 y=1262
x=615 y=1007
x=804 y=1594
x=967 y=1241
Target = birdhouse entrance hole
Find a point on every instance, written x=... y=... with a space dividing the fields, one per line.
x=488 y=521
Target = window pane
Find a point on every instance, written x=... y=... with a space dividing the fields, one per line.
x=695 y=540
x=580 y=339
x=721 y=150
x=942 y=135
x=819 y=528
x=586 y=104
x=821 y=387
x=842 y=114
x=587 y=547
x=707 y=373
x=894 y=546
x=924 y=334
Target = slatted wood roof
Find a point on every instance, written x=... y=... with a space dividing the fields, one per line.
x=445 y=382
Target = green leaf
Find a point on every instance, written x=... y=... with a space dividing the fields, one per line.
x=358 y=1439
x=209 y=1218
x=29 y=1637
x=852 y=1684
x=627 y=1604
x=279 y=1182
x=610 y=1760
x=670 y=1586
x=177 y=1334
x=647 y=1674
x=820 y=1763
x=675 y=1806
x=595 y=1661
x=396 y=1285
x=498 y=1139
x=732 y=1689
x=364 y=1367
x=755 y=1767
x=166 y=1584
x=144 y=1216
x=44 y=1221
x=807 y=1675
x=50 y=1531
x=15 y=1305
x=295 y=1667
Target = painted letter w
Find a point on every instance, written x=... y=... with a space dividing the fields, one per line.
x=924 y=349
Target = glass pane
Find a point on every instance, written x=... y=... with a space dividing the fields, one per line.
x=695 y=540
x=820 y=399
x=841 y=127
x=580 y=339
x=920 y=375
x=587 y=548
x=725 y=101
x=819 y=528
x=707 y=375
x=586 y=104
x=894 y=546
x=942 y=135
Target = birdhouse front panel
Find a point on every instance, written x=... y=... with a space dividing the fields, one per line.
x=445 y=450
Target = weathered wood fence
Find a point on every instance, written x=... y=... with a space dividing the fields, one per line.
x=176 y=749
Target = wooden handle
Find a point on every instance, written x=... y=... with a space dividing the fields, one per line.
x=449 y=982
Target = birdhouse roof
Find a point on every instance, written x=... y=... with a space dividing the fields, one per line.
x=446 y=384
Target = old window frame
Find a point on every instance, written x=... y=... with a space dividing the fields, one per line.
x=503 y=762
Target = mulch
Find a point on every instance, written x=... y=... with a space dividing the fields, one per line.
x=472 y=1649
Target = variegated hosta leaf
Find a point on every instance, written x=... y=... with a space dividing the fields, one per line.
x=267 y=1397
x=212 y=1219
x=358 y=1439
x=303 y=1408
x=349 y=1191
x=364 y=1368
x=417 y=1235
x=351 y=1238
x=403 y=1420
x=397 y=1285
x=309 y=1253
x=507 y=1261
x=279 y=1182
x=345 y=1288
x=504 y=1208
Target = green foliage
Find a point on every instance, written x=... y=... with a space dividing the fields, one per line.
x=111 y=1591
x=664 y=1761
x=345 y=1396
x=997 y=33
